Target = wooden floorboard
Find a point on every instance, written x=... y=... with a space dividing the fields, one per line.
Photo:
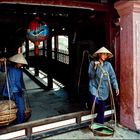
x=49 y=103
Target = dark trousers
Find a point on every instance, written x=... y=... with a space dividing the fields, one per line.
x=19 y=100
x=99 y=109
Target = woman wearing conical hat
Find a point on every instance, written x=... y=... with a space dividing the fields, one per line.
x=14 y=84
x=99 y=73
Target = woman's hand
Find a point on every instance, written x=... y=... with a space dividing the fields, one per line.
x=2 y=61
x=96 y=63
x=117 y=92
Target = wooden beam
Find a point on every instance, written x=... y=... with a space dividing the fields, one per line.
x=62 y=3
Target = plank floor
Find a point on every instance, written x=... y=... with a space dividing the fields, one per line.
x=46 y=103
x=49 y=103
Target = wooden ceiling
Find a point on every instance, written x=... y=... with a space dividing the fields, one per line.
x=15 y=15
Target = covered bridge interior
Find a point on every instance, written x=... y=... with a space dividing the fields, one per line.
x=76 y=30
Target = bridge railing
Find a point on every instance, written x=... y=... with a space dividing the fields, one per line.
x=49 y=126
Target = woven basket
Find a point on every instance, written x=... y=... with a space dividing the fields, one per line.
x=7 y=117
x=6 y=104
x=8 y=112
x=101 y=130
x=7 y=122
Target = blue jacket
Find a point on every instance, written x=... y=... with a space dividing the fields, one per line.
x=94 y=80
x=15 y=81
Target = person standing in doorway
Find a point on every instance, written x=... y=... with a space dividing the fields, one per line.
x=100 y=72
x=14 y=86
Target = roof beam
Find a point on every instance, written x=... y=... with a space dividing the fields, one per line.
x=62 y=3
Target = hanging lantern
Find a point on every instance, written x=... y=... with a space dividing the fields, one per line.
x=38 y=30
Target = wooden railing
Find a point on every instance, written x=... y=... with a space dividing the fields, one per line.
x=49 y=126
x=45 y=127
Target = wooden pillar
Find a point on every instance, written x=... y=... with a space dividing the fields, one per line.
x=44 y=48
x=49 y=58
x=108 y=30
x=129 y=12
x=36 y=59
x=56 y=46
x=27 y=52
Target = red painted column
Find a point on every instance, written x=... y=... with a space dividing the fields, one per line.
x=129 y=12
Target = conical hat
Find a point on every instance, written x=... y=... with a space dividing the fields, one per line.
x=103 y=50
x=18 y=58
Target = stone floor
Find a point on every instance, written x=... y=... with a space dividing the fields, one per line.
x=86 y=133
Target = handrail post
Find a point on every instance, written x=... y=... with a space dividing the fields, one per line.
x=78 y=119
x=28 y=132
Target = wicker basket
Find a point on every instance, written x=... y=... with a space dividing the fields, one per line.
x=101 y=130
x=8 y=121
x=8 y=112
